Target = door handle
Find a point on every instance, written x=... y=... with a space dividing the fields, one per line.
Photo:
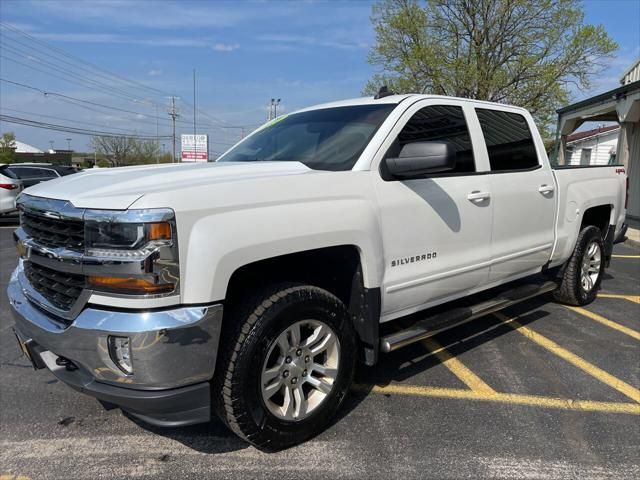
x=477 y=196
x=546 y=188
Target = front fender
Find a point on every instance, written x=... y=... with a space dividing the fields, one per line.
x=222 y=242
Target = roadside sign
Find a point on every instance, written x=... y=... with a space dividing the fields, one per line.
x=195 y=148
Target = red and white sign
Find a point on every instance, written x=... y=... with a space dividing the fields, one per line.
x=195 y=148
x=194 y=156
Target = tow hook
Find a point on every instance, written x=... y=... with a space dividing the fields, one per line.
x=65 y=362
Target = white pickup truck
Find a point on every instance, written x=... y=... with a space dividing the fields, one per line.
x=250 y=287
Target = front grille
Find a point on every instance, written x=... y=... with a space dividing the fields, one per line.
x=61 y=289
x=52 y=232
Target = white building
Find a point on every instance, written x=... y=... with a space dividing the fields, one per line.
x=620 y=105
x=22 y=147
x=632 y=74
x=593 y=147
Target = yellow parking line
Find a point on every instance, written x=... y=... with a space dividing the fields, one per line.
x=469 y=378
x=11 y=476
x=572 y=358
x=625 y=256
x=605 y=321
x=456 y=367
x=508 y=398
x=631 y=298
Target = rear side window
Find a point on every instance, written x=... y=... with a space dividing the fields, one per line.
x=508 y=140
x=46 y=173
x=7 y=172
x=439 y=123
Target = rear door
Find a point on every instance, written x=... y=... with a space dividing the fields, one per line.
x=523 y=194
x=436 y=229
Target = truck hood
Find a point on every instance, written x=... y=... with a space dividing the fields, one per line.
x=119 y=188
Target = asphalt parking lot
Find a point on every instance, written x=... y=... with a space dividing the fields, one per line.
x=538 y=391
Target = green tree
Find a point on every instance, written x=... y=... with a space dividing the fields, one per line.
x=145 y=151
x=7 y=147
x=116 y=150
x=121 y=151
x=522 y=52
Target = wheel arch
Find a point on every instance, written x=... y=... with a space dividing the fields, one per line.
x=337 y=269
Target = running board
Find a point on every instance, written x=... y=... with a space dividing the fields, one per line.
x=437 y=323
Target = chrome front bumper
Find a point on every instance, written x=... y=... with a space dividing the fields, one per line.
x=171 y=349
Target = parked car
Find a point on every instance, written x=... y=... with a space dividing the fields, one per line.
x=10 y=187
x=34 y=173
x=250 y=287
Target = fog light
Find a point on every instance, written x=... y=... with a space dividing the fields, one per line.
x=120 y=353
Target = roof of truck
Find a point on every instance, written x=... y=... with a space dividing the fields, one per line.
x=395 y=99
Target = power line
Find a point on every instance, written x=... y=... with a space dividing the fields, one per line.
x=82 y=122
x=72 y=80
x=75 y=99
x=110 y=76
x=68 y=129
x=35 y=58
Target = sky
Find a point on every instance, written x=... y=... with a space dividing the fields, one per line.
x=244 y=54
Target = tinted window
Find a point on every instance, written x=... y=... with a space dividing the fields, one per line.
x=439 y=123
x=326 y=139
x=33 y=172
x=47 y=173
x=508 y=140
x=7 y=172
x=24 y=172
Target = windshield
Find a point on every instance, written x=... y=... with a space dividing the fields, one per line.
x=327 y=139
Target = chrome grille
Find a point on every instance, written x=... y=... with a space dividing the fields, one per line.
x=52 y=232
x=59 y=288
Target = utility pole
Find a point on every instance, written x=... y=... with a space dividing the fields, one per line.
x=195 y=145
x=173 y=113
x=157 y=135
x=51 y=142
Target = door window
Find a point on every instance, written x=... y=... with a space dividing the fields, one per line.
x=508 y=139
x=439 y=123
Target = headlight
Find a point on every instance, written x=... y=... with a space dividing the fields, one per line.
x=132 y=252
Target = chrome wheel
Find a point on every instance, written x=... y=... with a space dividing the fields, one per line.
x=300 y=369
x=590 y=270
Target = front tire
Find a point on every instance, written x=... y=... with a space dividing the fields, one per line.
x=582 y=274
x=287 y=366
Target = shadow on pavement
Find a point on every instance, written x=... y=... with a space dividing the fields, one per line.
x=415 y=359
x=212 y=438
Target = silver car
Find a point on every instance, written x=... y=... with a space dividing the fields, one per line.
x=10 y=187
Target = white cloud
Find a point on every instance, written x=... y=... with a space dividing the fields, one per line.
x=225 y=47
x=154 y=73
x=334 y=40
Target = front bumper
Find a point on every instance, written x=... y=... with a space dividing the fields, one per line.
x=173 y=354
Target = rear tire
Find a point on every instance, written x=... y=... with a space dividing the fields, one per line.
x=582 y=274
x=302 y=330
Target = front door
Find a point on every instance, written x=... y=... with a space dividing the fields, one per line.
x=436 y=229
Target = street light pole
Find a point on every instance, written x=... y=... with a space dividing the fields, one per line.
x=275 y=108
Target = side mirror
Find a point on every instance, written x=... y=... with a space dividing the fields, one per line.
x=420 y=158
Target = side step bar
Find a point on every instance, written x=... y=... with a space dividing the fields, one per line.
x=439 y=322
